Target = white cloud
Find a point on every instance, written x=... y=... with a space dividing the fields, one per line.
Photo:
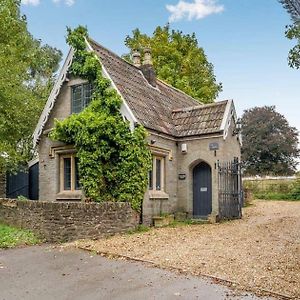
x=67 y=2
x=197 y=9
x=37 y=2
x=31 y=2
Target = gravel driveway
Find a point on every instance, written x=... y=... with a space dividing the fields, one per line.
x=259 y=252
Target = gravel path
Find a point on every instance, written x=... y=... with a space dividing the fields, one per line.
x=259 y=252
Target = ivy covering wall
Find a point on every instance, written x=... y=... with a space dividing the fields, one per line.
x=113 y=160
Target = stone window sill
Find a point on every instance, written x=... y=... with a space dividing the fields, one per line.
x=69 y=195
x=158 y=195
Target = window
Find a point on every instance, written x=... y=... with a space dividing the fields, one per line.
x=81 y=97
x=69 y=175
x=156 y=175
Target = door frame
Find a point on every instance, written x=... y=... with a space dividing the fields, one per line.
x=210 y=191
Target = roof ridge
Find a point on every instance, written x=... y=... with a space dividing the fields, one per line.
x=190 y=108
x=113 y=53
x=132 y=65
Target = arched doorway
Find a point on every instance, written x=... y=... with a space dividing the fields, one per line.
x=202 y=190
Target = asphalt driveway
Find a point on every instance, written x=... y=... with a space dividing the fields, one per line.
x=45 y=272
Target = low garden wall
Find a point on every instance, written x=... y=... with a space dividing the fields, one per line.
x=67 y=221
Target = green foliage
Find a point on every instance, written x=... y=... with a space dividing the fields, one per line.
x=113 y=161
x=187 y=222
x=270 y=145
x=276 y=196
x=139 y=229
x=179 y=61
x=12 y=237
x=22 y=198
x=269 y=185
x=296 y=189
x=293 y=31
x=268 y=189
x=293 y=8
x=26 y=72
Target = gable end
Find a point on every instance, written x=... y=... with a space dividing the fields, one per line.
x=52 y=97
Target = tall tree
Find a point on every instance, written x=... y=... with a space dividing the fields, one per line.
x=293 y=31
x=293 y=7
x=178 y=60
x=270 y=145
x=26 y=71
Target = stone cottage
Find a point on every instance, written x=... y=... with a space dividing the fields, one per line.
x=187 y=139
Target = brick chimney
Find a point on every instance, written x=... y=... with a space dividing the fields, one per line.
x=136 y=58
x=147 y=67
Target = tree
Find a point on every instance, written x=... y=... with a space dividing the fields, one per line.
x=179 y=61
x=293 y=8
x=270 y=145
x=26 y=72
x=293 y=31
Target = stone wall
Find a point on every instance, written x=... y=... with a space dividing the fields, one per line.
x=67 y=221
x=197 y=151
x=166 y=201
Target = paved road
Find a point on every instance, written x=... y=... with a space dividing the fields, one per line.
x=44 y=272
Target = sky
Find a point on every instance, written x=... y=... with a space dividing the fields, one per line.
x=244 y=39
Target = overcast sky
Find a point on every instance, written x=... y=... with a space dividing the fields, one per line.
x=244 y=39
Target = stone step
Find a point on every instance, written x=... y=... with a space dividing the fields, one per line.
x=200 y=220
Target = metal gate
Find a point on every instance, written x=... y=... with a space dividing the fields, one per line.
x=230 y=189
x=24 y=183
x=17 y=185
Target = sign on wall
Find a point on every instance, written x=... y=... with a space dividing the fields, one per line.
x=213 y=146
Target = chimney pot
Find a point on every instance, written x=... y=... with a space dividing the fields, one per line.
x=147 y=67
x=147 y=57
x=136 y=58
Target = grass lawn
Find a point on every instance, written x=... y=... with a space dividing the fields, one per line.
x=11 y=237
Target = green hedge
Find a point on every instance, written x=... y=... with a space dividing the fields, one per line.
x=290 y=192
x=277 y=196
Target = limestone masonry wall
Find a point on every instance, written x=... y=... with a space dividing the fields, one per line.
x=67 y=221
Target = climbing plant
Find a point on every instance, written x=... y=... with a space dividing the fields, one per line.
x=113 y=160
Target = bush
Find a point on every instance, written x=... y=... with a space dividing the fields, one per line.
x=270 y=189
x=296 y=189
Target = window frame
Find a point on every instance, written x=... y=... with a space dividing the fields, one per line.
x=73 y=187
x=83 y=99
x=153 y=174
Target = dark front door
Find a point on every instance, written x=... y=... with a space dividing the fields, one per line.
x=202 y=195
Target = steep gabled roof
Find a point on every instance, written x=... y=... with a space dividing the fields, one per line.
x=151 y=106
x=52 y=97
x=162 y=108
